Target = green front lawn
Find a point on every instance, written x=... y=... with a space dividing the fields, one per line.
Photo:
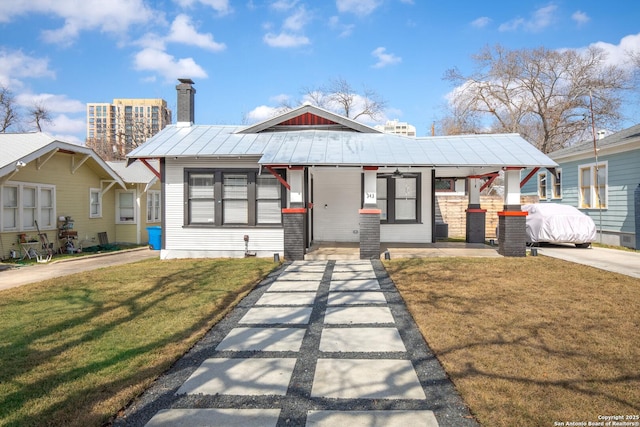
x=76 y=349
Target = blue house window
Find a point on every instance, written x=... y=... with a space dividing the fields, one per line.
x=593 y=186
x=542 y=185
x=556 y=184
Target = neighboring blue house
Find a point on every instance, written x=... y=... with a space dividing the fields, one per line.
x=602 y=187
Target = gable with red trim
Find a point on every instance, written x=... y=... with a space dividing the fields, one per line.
x=307 y=119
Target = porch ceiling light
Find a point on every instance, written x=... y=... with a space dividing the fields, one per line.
x=397 y=174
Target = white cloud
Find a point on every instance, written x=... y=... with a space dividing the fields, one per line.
x=220 y=6
x=280 y=99
x=66 y=128
x=291 y=34
x=580 y=17
x=481 y=22
x=183 y=31
x=261 y=113
x=15 y=66
x=541 y=19
x=283 y=5
x=113 y=16
x=619 y=54
x=153 y=56
x=297 y=21
x=53 y=103
x=384 y=59
x=357 y=7
x=167 y=65
x=344 y=30
x=285 y=40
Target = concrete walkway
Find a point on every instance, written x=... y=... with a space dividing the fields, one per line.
x=317 y=343
x=614 y=260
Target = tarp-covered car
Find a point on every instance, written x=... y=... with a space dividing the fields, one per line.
x=556 y=223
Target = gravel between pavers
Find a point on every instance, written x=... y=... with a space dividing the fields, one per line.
x=442 y=398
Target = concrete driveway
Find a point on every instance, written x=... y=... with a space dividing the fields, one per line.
x=38 y=272
x=617 y=261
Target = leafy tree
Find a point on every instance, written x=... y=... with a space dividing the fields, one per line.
x=545 y=95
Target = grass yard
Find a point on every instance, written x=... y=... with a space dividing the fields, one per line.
x=74 y=350
x=529 y=341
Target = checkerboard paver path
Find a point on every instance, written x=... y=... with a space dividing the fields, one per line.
x=322 y=343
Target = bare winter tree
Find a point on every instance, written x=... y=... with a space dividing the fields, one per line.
x=545 y=95
x=339 y=96
x=15 y=118
x=8 y=110
x=39 y=115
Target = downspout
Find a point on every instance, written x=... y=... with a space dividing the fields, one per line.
x=139 y=219
x=433 y=205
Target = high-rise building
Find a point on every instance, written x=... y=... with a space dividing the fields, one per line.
x=115 y=129
x=398 y=128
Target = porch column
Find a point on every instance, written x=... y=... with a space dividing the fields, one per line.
x=293 y=221
x=370 y=217
x=476 y=217
x=294 y=217
x=512 y=234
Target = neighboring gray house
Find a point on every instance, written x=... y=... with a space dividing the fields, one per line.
x=603 y=189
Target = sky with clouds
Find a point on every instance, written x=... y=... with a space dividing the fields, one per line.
x=248 y=56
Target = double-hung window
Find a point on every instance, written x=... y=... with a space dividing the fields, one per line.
x=29 y=208
x=556 y=187
x=24 y=204
x=398 y=198
x=153 y=206
x=46 y=205
x=593 y=186
x=95 y=203
x=542 y=185
x=9 y=207
x=201 y=204
x=229 y=197
x=235 y=198
x=268 y=200
x=125 y=207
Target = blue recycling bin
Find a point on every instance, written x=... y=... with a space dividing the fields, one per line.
x=155 y=235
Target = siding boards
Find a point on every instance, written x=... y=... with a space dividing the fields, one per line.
x=183 y=241
x=413 y=233
x=72 y=199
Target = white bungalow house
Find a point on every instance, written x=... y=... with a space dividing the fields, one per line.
x=310 y=175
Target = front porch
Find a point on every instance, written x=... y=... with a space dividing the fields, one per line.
x=351 y=250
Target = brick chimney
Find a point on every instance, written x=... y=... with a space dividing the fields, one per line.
x=186 y=94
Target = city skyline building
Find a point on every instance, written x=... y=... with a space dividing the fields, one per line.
x=114 y=129
x=397 y=127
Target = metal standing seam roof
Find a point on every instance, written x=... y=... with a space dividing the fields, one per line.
x=30 y=146
x=334 y=147
x=136 y=173
x=625 y=136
